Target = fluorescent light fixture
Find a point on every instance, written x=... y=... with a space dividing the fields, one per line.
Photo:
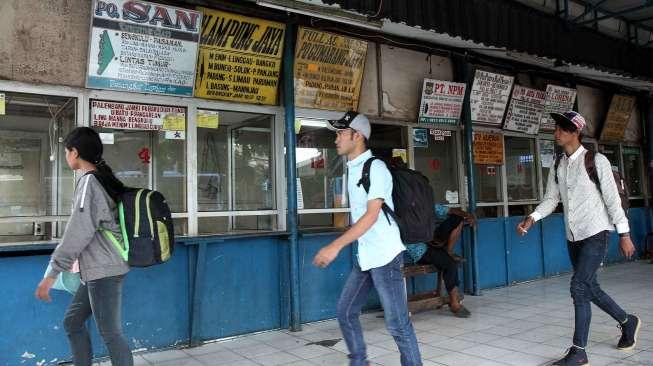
x=323 y=12
x=313 y=123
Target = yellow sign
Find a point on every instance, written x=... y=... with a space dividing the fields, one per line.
x=239 y=58
x=400 y=153
x=174 y=122
x=328 y=70
x=2 y=104
x=208 y=119
x=618 y=117
x=488 y=148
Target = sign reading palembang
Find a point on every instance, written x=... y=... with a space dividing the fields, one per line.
x=328 y=70
x=488 y=148
x=558 y=99
x=131 y=116
x=240 y=58
x=618 y=117
x=525 y=110
x=442 y=102
x=143 y=47
x=489 y=96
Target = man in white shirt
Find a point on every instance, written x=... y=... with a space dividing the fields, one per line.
x=380 y=249
x=591 y=212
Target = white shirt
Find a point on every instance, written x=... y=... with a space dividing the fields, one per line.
x=382 y=242
x=586 y=212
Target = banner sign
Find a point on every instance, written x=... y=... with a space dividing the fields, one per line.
x=328 y=70
x=618 y=117
x=525 y=110
x=240 y=58
x=442 y=102
x=489 y=96
x=143 y=47
x=488 y=148
x=558 y=99
x=131 y=116
x=440 y=135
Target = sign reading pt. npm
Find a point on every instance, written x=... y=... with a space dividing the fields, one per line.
x=143 y=47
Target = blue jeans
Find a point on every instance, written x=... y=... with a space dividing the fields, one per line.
x=389 y=284
x=103 y=299
x=586 y=257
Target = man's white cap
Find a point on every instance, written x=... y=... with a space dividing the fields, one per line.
x=353 y=120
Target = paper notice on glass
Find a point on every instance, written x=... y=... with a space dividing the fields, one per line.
x=175 y=135
x=547 y=153
x=174 y=122
x=2 y=104
x=300 y=195
x=451 y=197
x=107 y=138
x=208 y=119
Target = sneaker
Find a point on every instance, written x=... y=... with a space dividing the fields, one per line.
x=462 y=312
x=575 y=357
x=629 y=332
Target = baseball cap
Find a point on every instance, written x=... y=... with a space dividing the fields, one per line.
x=569 y=118
x=353 y=120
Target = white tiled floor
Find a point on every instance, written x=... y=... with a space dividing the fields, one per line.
x=527 y=324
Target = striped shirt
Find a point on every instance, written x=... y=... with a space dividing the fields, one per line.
x=586 y=212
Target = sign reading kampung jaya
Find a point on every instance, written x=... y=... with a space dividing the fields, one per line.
x=525 y=110
x=328 y=70
x=489 y=96
x=618 y=117
x=558 y=99
x=442 y=102
x=143 y=47
x=240 y=58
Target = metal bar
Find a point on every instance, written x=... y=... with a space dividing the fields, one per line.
x=589 y=8
x=291 y=173
x=609 y=15
x=195 y=317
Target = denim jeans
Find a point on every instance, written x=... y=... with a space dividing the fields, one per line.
x=586 y=257
x=389 y=284
x=103 y=299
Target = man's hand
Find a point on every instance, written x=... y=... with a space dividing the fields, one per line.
x=43 y=289
x=326 y=255
x=626 y=247
x=470 y=220
x=522 y=227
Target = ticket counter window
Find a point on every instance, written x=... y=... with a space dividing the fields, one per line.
x=632 y=170
x=436 y=156
x=35 y=181
x=521 y=172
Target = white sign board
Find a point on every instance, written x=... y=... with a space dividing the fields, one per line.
x=442 y=102
x=525 y=110
x=143 y=47
x=131 y=116
x=558 y=99
x=489 y=96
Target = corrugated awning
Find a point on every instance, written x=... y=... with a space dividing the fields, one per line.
x=501 y=23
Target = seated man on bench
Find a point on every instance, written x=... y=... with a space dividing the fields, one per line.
x=439 y=252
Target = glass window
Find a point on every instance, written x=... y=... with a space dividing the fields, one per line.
x=488 y=183
x=632 y=170
x=34 y=177
x=436 y=157
x=235 y=170
x=612 y=153
x=548 y=153
x=521 y=173
x=145 y=155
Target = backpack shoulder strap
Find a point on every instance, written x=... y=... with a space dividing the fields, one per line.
x=590 y=167
x=555 y=167
x=365 y=176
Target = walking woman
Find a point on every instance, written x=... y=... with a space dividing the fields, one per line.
x=101 y=266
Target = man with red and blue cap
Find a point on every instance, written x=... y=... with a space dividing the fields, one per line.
x=591 y=211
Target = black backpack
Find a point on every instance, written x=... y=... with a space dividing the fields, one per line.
x=146 y=224
x=590 y=167
x=412 y=196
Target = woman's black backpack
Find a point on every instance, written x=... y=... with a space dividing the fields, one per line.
x=148 y=236
x=412 y=196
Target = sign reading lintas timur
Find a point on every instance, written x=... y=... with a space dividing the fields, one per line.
x=143 y=47
x=328 y=70
x=240 y=58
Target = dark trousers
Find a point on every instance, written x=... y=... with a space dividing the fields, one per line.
x=440 y=258
x=586 y=257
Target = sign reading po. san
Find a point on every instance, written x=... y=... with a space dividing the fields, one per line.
x=143 y=47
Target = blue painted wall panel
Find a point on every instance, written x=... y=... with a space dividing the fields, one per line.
x=491 y=253
x=554 y=245
x=242 y=288
x=525 y=261
x=155 y=310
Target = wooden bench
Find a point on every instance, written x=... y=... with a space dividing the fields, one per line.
x=428 y=300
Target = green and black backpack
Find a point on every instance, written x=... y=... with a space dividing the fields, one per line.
x=146 y=223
